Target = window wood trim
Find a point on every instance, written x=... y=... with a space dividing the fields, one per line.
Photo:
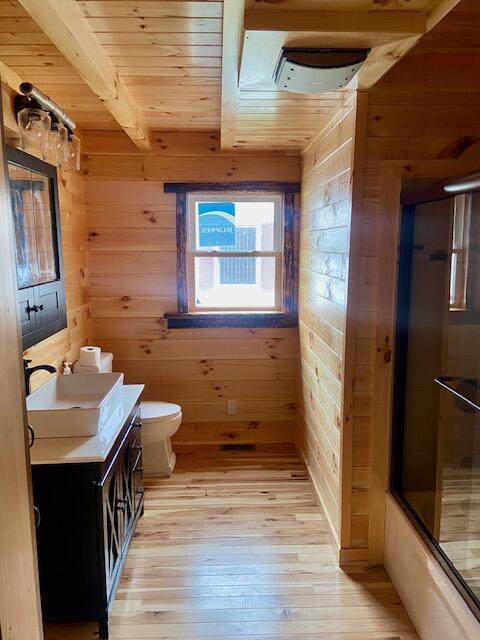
x=181 y=221
x=215 y=319
x=288 y=315
x=188 y=187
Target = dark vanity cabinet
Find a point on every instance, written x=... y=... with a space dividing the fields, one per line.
x=88 y=513
x=38 y=246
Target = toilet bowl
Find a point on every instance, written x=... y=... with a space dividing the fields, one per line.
x=160 y=421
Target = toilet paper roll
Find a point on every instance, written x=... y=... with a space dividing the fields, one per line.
x=90 y=356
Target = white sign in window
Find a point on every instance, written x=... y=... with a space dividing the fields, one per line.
x=235 y=252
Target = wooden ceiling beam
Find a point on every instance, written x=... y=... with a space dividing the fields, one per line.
x=382 y=58
x=65 y=25
x=399 y=23
x=389 y=35
x=263 y=32
x=10 y=77
x=12 y=80
x=437 y=10
x=233 y=16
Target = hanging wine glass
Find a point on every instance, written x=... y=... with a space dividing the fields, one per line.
x=76 y=153
x=65 y=150
x=34 y=125
x=73 y=153
x=57 y=137
x=62 y=141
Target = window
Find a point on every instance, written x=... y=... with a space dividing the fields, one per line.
x=235 y=249
x=235 y=255
x=459 y=270
x=464 y=263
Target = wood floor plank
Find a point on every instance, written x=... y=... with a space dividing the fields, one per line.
x=235 y=547
x=222 y=629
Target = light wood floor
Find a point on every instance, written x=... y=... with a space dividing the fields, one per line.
x=236 y=547
x=460 y=523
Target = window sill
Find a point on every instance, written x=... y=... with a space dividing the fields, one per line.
x=230 y=319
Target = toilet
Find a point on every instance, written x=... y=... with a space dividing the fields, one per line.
x=160 y=421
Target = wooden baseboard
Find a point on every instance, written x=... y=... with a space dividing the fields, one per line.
x=353 y=557
x=345 y=557
x=316 y=492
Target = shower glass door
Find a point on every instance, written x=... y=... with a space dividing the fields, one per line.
x=436 y=438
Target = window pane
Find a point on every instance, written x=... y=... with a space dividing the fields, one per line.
x=462 y=229
x=246 y=283
x=453 y=280
x=235 y=226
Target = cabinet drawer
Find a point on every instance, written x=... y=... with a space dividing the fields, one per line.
x=130 y=434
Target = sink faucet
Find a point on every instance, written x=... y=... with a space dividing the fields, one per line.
x=28 y=371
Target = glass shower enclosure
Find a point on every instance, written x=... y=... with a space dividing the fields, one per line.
x=435 y=473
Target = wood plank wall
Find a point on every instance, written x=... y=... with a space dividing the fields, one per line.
x=20 y=609
x=131 y=227
x=65 y=345
x=420 y=125
x=337 y=454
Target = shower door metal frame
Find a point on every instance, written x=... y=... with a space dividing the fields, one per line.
x=402 y=316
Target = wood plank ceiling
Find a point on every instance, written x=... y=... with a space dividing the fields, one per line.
x=265 y=113
x=266 y=116
x=168 y=53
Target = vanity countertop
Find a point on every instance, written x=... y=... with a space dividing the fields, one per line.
x=90 y=449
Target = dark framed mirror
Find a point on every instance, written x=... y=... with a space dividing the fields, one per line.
x=38 y=246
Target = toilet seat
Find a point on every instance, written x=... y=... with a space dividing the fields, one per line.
x=156 y=411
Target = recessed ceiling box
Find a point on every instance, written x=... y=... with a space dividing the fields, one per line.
x=317 y=70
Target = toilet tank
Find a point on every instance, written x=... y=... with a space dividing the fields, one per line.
x=105 y=366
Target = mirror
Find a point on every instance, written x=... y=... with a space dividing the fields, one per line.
x=34 y=240
x=35 y=211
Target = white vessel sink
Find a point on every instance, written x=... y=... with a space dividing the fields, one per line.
x=74 y=405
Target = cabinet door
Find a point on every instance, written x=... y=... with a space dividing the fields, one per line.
x=113 y=521
x=122 y=493
x=137 y=470
x=43 y=312
x=126 y=488
x=50 y=302
x=28 y=316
